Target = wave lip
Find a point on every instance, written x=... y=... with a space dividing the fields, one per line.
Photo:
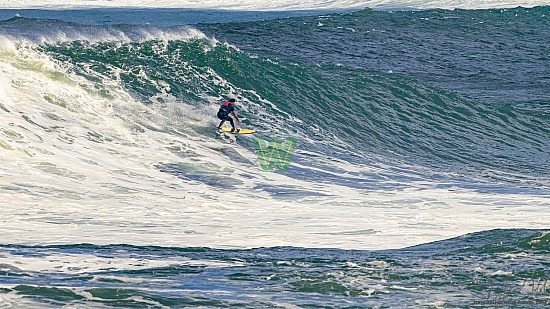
x=274 y=5
x=48 y=31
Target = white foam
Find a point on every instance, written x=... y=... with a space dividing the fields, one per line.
x=82 y=169
x=54 y=262
x=273 y=5
x=105 y=34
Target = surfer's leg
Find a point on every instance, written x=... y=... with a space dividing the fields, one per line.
x=232 y=123
x=221 y=123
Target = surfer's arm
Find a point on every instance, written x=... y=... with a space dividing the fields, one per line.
x=236 y=117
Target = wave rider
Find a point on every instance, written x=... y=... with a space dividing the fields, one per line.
x=227 y=108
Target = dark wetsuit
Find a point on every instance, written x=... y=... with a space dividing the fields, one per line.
x=225 y=110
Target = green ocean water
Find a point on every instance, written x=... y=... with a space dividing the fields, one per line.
x=397 y=116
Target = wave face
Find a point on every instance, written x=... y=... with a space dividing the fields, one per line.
x=500 y=67
x=416 y=117
x=373 y=109
x=412 y=127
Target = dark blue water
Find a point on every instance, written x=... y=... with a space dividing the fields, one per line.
x=157 y=17
x=508 y=268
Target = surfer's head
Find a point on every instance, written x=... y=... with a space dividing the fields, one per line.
x=232 y=100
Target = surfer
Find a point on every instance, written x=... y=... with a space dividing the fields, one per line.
x=227 y=108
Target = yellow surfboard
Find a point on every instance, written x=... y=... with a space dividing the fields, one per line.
x=241 y=131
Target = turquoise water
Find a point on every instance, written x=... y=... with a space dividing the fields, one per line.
x=338 y=73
